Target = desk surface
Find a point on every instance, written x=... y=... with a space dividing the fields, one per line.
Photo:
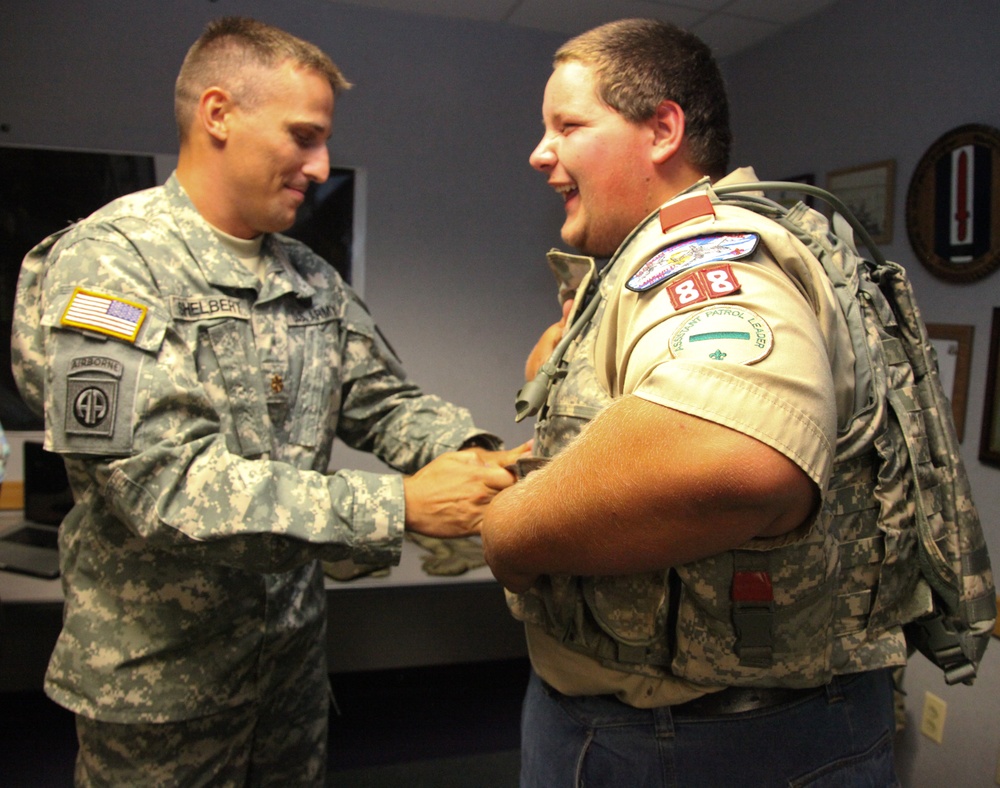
x=15 y=587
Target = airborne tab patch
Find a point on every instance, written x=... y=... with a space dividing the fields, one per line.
x=691 y=252
x=114 y=317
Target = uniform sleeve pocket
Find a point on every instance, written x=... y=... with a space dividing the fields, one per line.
x=97 y=344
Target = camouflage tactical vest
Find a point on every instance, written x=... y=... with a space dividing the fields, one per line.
x=897 y=541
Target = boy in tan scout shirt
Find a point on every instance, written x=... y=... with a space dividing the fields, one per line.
x=690 y=430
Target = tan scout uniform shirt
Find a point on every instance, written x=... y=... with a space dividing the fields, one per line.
x=786 y=381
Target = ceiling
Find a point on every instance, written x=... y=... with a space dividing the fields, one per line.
x=728 y=26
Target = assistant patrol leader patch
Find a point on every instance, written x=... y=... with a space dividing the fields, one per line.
x=725 y=332
x=689 y=253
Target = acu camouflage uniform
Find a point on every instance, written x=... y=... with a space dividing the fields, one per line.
x=197 y=433
x=840 y=587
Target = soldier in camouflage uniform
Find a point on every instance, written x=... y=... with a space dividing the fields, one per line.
x=194 y=368
x=676 y=576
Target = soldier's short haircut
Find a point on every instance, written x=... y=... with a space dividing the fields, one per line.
x=639 y=63
x=231 y=53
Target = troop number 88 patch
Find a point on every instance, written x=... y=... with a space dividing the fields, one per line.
x=701 y=285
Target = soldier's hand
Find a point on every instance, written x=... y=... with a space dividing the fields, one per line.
x=503 y=458
x=448 y=496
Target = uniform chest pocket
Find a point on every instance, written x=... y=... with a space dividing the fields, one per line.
x=573 y=403
x=317 y=397
x=240 y=378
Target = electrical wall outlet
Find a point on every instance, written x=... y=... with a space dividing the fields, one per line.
x=932 y=722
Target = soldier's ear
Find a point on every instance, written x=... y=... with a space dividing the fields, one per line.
x=215 y=108
x=668 y=131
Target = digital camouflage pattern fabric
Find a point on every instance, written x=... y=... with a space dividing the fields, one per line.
x=196 y=408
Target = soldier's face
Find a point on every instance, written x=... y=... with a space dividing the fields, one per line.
x=596 y=159
x=276 y=149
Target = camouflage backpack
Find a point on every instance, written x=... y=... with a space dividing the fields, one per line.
x=946 y=595
x=895 y=362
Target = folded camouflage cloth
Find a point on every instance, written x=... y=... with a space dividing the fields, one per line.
x=349 y=570
x=449 y=556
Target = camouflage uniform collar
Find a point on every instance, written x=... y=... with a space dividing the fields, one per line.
x=279 y=262
x=218 y=264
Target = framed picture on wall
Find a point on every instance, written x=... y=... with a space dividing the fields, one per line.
x=789 y=197
x=868 y=191
x=953 y=345
x=989 y=443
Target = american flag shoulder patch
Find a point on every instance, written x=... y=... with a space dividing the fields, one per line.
x=114 y=317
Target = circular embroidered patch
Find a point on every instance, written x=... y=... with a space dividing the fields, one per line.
x=723 y=333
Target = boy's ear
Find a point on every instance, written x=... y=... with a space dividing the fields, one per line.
x=668 y=131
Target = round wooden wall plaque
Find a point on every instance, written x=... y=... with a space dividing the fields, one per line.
x=953 y=204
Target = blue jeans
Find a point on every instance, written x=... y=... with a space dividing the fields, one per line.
x=839 y=736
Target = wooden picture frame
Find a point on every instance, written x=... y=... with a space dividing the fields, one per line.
x=951 y=216
x=953 y=345
x=868 y=190
x=989 y=442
